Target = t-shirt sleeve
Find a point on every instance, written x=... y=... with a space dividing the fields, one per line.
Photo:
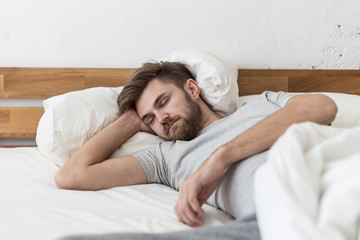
x=151 y=161
x=279 y=98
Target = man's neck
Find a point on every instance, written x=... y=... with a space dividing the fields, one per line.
x=209 y=117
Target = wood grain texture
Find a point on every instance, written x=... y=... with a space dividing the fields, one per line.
x=255 y=81
x=19 y=122
x=29 y=83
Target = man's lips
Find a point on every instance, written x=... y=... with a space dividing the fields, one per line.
x=171 y=126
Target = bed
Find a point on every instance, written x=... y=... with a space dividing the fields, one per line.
x=31 y=207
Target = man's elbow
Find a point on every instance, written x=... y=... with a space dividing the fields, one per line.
x=66 y=180
x=328 y=108
x=61 y=181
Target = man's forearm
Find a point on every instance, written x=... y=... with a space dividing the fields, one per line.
x=315 y=108
x=105 y=142
x=90 y=167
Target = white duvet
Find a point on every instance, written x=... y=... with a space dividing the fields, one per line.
x=309 y=189
x=31 y=207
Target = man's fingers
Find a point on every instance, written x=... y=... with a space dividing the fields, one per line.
x=195 y=205
x=187 y=221
x=187 y=215
x=188 y=207
x=192 y=216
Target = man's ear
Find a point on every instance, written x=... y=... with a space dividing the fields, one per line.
x=193 y=88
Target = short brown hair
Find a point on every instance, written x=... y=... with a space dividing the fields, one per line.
x=169 y=72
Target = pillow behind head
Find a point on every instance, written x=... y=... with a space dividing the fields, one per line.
x=71 y=119
x=217 y=79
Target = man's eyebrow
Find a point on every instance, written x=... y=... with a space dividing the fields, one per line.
x=155 y=103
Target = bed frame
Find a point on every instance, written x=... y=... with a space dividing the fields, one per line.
x=42 y=83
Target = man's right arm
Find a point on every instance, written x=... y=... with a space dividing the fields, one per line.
x=90 y=169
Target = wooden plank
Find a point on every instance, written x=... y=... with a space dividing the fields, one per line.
x=349 y=85
x=255 y=81
x=19 y=122
x=1 y=82
x=47 y=82
x=249 y=85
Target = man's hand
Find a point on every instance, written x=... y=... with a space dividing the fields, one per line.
x=133 y=117
x=194 y=191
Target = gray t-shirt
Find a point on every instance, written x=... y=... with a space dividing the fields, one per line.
x=172 y=162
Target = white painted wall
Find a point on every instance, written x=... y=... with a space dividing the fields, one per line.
x=124 y=33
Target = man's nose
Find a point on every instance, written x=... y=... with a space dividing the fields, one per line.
x=162 y=117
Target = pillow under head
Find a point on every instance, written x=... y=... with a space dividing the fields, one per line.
x=71 y=119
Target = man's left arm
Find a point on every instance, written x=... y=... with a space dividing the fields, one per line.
x=197 y=189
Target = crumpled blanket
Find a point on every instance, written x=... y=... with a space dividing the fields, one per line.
x=310 y=186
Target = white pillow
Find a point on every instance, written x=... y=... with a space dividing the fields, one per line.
x=217 y=79
x=348 y=114
x=72 y=118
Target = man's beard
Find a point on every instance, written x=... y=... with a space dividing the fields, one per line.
x=191 y=123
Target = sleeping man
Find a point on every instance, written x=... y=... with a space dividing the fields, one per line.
x=207 y=158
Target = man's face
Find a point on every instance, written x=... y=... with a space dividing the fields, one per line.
x=169 y=111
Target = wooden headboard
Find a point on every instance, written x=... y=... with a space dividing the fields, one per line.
x=42 y=83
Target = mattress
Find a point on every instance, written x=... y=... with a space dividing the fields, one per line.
x=31 y=206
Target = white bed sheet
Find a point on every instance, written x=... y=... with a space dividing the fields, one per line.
x=31 y=207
